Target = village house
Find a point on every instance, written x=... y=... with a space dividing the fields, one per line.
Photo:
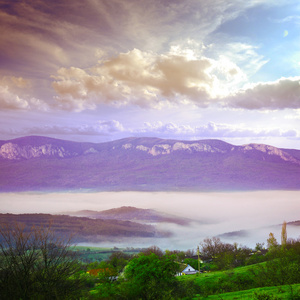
x=186 y=269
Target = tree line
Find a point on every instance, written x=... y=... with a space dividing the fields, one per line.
x=39 y=264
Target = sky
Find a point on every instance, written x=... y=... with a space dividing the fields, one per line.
x=101 y=70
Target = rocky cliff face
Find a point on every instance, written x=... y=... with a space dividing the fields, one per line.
x=270 y=151
x=163 y=149
x=14 y=151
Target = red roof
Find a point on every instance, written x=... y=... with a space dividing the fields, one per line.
x=108 y=271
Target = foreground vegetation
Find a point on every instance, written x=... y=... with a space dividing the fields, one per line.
x=287 y=292
x=36 y=264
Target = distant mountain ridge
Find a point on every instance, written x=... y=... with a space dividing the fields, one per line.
x=36 y=147
x=41 y=163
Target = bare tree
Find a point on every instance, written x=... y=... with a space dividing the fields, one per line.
x=36 y=264
x=212 y=247
x=153 y=249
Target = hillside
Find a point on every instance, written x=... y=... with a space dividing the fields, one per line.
x=129 y=213
x=252 y=232
x=151 y=164
x=84 y=229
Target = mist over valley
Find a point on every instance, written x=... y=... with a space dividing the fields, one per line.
x=242 y=217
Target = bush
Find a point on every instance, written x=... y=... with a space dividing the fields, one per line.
x=264 y=296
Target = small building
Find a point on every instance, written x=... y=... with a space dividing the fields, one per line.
x=105 y=272
x=186 y=269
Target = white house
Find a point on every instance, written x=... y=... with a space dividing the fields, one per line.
x=186 y=270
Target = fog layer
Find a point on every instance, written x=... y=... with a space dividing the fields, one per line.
x=218 y=212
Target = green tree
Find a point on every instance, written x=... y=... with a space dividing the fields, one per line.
x=192 y=262
x=150 y=277
x=283 y=268
x=283 y=235
x=118 y=260
x=259 y=246
x=180 y=255
x=272 y=242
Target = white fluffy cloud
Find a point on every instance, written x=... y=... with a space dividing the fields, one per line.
x=10 y=90
x=145 y=79
x=181 y=76
x=214 y=130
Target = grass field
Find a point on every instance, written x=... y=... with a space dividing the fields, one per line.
x=219 y=281
x=239 y=283
x=91 y=254
x=274 y=292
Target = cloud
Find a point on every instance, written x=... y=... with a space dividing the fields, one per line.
x=17 y=82
x=295 y=115
x=214 y=130
x=179 y=76
x=280 y=94
x=245 y=55
x=26 y=36
x=101 y=128
x=10 y=89
x=160 y=71
x=151 y=80
x=145 y=79
x=45 y=36
x=293 y=19
x=8 y=100
x=109 y=126
x=113 y=129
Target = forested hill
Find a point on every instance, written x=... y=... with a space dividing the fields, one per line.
x=41 y=163
x=129 y=213
x=83 y=229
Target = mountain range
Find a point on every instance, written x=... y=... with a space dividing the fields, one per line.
x=36 y=163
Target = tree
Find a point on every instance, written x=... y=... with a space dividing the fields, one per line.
x=212 y=247
x=153 y=249
x=224 y=255
x=259 y=246
x=190 y=253
x=281 y=270
x=272 y=242
x=36 y=264
x=180 y=255
x=221 y=253
x=283 y=235
x=150 y=276
x=118 y=260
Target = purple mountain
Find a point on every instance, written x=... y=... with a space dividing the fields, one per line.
x=152 y=164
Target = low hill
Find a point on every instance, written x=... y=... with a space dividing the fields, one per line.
x=252 y=232
x=84 y=229
x=129 y=213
